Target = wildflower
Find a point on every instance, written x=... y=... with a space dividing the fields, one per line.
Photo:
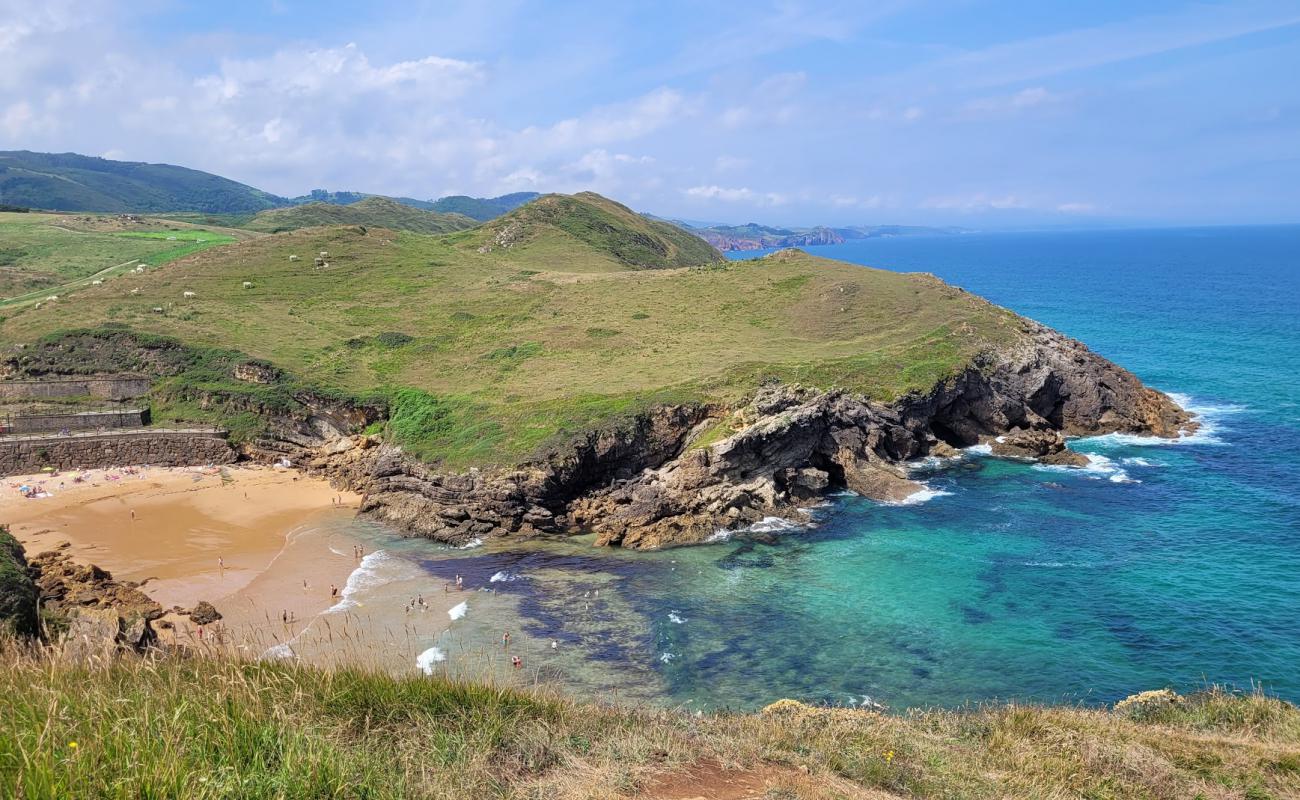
x=889 y=756
x=72 y=745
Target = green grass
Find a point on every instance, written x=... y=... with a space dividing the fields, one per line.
x=533 y=342
x=211 y=727
x=44 y=254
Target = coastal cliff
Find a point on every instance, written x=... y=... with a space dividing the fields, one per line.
x=679 y=474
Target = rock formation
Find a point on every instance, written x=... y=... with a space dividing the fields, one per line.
x=99 y=610
x=646 y=486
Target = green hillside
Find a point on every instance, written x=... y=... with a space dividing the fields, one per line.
x=512 y=349
x=71 y=182
x=44 y=254
x=482 y=208
x=380 y=212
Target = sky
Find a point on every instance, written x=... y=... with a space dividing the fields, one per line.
x=979 y=114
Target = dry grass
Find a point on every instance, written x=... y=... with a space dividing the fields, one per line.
x=213 y=727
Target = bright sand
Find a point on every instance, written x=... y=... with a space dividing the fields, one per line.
x=259 y=543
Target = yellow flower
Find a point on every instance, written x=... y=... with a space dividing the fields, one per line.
x=73 y=745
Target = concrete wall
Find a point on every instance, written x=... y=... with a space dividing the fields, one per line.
x=76 y=421
x=23 y=455
x=108 y=387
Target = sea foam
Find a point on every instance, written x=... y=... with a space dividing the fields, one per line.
x=459 y=610
x=376 y=569
x=428 y=658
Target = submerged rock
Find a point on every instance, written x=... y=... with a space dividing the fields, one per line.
x=1047 y=446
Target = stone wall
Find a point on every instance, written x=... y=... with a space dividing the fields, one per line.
x=23 y=455
x=107 y=387
x=74 y=421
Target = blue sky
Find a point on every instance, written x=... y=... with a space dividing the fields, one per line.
x=983 y=114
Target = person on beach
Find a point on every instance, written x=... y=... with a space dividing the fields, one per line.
x=517 y=661
x=505 y=640
x=284 y=616
x=221 y=563
x=304 y=584
x=133 y=515
x=334 y=591
x=555 y=645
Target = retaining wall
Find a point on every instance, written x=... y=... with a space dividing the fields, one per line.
x=119 y=387
x=23 y=455
x=74 y=421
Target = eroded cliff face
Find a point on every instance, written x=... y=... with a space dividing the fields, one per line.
x=645 y=485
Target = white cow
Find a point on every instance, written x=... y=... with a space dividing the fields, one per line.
x=187 y=295
x=96 y=283
x=135 y=291
x=248 y=284
x=324 y=254
x=293 y=258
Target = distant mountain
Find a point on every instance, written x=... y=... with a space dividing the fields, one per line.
x=71 y=182
x=373 y=211
x=753 y=236
x=348 y=198
x=482 y=208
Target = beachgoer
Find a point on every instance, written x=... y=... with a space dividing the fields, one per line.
x=133 y=513
x=284 y=616
x=555 y=645
x=505 y=639
x=200 y=631
x=221 y=562
x=517 y=661
x=334 y=591
x=304 y=584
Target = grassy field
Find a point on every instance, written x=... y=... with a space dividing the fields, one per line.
x=509 y=348
x=207 y=727
x=42 y=254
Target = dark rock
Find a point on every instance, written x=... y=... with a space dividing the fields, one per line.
x=204 y=613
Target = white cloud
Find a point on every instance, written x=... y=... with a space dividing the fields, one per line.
x=979 y=201
x=735 y=195
x=1034 y=97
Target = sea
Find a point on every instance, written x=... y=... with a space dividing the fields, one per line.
x=1161 y=564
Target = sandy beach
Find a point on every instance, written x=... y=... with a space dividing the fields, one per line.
x=192 y=533
x=271 y=548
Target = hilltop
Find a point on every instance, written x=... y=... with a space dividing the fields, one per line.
x=482 y=208
x=554 y=226
x=71 y=182
x=375 y=211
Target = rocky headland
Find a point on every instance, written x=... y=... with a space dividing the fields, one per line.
x=679 y=474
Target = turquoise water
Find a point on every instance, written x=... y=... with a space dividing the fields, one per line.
x=1161 y=565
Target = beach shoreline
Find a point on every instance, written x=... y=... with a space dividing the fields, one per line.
x=273 y=549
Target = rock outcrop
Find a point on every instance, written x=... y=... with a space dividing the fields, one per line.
x=644 y=485
x=100 y=611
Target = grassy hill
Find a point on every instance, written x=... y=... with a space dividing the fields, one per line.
x=380 y=212
x=71 y=182
x=511 y=349
x=207 y=727
x=555 y=225
x=482 y=208
x=44 y=254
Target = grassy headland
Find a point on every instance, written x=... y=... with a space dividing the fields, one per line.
x=208 y=727
x=564 y=314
